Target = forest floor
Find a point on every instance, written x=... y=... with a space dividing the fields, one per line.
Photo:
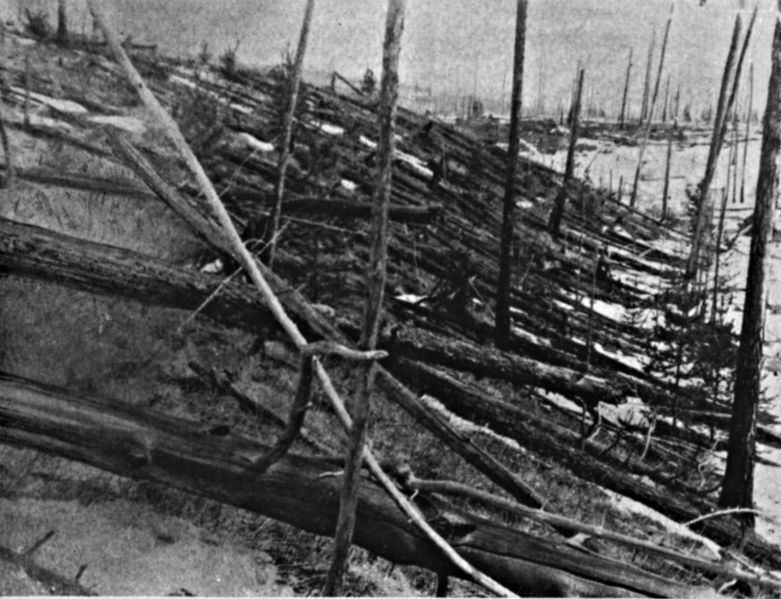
x=142 y=538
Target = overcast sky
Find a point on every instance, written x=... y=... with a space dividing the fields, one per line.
x=461 y=45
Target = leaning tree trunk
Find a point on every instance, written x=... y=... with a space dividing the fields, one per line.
x=719 y=131
x=294 y=83
x=554 y=223
x=738 y=486
x=502 y=332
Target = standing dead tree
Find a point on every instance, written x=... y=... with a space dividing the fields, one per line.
x=651 y=106
x=748 y=132
x=375 y=283
x=647 y=80
x=554 y=223
x=738 y=486
x=622 y=116
x=503 y=320
x=723 y=108
x=293 y=84
x=667 y=165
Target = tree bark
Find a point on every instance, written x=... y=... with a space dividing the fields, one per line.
x=622 y=117
x=503 y=319
x=692 y=265
x=287 y=132
x=486 y=362
x=647 y=80
x=554 y=224
x=375 y=288
x=667 y=164
x=738 y=486
x=141 y=444
x=748 y=133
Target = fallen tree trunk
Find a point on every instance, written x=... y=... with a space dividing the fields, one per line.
x=33 y=251
x=347 y=209
x=141 y=444
x=489 y=362
x=509 y=420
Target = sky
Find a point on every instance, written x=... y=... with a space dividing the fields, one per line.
x=463 y=46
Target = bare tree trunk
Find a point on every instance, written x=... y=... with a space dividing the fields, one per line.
x=738 y=487
x=503 y=321
x=622 y=117
x=719 y=130
x=62 y=23
x=666 y=104
x=647 y=81
x=667 y=163
x=554 y=223
x=720 y=232
x=652 y=105
x=287 y=132
x=748 y=132
x=375 y=283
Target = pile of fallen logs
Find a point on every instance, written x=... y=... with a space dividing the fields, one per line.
x=445 y=211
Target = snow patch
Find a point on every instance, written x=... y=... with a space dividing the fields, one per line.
x=328 y=128
x=183 y=81
x=367 y=142
x=66 y=106
x=466 y=426
x=241 y=108
x=410 y=298
x=255 y=144
x=526 y=335
x=630 y=506
x=561 y=402
x=416 y=163
x=636 y=362
x=350 y=186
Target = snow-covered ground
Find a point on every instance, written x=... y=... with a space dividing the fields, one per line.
x=610 y=162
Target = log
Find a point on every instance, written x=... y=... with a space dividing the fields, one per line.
x=351 y=209
x=535 y=434
x=142 y=444
x=33 y=251
x=488 y=362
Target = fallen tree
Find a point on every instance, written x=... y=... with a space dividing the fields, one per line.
x=548 y=439
x=302 y=491
x=489 y=362
x=33 y=251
